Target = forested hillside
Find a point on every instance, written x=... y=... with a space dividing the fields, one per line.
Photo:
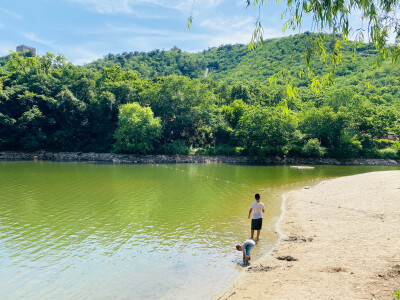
x=233 y=63
x=159 y=102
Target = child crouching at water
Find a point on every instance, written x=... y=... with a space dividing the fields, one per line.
x=246 y=248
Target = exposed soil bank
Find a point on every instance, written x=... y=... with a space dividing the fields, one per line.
x=168 y=159
x=339 y=240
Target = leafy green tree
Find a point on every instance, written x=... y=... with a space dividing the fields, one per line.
x=210 y=127
x=71 y=122
x=137 y=130
x=377 y=120
x=83 y=89
x=342 y=98
x=240 y=92
x=183 y=106
x=265 y=128
x=103 y=118
x=234 y=112
x=70 y=109
x=7 y=132
x=348 y=146
x=313 y=148
x=30 y=124
x=324 y=124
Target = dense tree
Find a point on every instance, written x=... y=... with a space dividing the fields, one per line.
x=183 y=105
x=30 y=126
x=235 y=111
x=313 y=148
x=47 y=103
x=325 y=125
x=137 y=129
x=265 y=128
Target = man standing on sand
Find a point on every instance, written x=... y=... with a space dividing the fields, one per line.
x=256 y=222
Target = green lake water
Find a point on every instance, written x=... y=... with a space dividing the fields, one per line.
x=96 y=231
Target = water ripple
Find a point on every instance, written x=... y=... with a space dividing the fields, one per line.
x=89 y=231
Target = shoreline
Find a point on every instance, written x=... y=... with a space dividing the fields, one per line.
x=228 y=291
x=333 y=248
x=111 y=158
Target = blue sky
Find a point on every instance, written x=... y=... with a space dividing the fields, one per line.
x=85 y=30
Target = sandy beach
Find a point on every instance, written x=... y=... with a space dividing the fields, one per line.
x=339 y=239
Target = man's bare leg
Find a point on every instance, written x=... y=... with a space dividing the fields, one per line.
x=258 y=234
x=252 y=234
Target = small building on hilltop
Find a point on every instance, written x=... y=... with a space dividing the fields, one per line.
x=26 y=49
x=392 y=136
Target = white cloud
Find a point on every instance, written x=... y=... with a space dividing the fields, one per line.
x=219 y=32
x=148 y=32
x=126 y=31
x=135 y=7
x=180 y=5
x=106 y=6
x=235 y=30
x=83 y=56
x=241 y=3
x=225 y=24
x=240 y=37
x=31 y=36
x=145 y=39
x=11 y=13
x=212 y=32
x=82 y=53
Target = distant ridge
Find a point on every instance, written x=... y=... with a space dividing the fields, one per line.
x=231 y=63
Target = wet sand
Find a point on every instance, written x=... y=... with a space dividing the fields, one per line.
x=339 y=240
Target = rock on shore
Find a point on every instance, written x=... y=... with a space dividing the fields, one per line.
x=168 y=159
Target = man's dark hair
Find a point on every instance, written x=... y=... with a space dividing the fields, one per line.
x=257 y=196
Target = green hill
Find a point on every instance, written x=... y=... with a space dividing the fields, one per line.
x=237 y=65
x=47 y=103
x=232 y=63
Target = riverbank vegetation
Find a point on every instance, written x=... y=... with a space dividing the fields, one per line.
x=160 y=102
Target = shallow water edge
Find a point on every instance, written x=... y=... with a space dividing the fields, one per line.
x=111 y=158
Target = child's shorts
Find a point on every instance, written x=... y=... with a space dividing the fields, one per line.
x=248 y=248
x=256 y=224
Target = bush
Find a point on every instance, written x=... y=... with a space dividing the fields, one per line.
x=369 y=146
x=383 y=143
x=396 y=146
x=367 y=141
x=370 y=153
x=266 y=152
x=175 y=148
x=388 y=153
x=226 y=150
x=313 y=148
x=349 y=147
x=295 y=150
